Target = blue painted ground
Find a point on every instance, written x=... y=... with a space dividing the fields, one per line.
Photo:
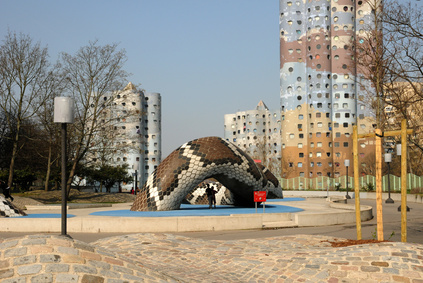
x=203 y=210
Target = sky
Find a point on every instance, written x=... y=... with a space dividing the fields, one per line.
x=206 y=58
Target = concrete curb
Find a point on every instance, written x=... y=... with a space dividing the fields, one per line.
x=321 y=214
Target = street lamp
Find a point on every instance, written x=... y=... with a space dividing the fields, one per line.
x=347 y=163
x=399 y=150
x=64 y=114
x=388 y=159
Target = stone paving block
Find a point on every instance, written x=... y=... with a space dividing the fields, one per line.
x=29 y=269
x=56 y=268
x=8 y=244
x=84 y=269
x=68 y=250
x=92 y=279
x=6 y=273
x=44 y=258
x=14 y=280
x=36 y=241
x=24 y=260
x=67 y=278
x=42 y=278
x=15 y=252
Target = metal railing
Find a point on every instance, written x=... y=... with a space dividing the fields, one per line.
x=323 y=183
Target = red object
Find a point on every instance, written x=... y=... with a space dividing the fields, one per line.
x=259 y=196
x=257 y=160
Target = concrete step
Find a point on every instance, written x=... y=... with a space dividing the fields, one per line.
x=44 y=207
x=279 y=224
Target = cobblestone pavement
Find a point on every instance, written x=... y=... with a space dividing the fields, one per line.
x=170 y=258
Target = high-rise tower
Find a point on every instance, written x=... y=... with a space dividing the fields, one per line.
x=321 y=98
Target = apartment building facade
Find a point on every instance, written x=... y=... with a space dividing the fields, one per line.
x=322 y=95
x=257 y=132
x=130 y=133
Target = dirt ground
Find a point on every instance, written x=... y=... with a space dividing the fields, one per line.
x=54 y=197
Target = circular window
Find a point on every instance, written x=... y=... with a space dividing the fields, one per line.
x=317 y=56
x=299 y=97
x=299 y=79
x=334 y=47
x=344 y=66
x=299 y=107
x=319 y=66
x=336 y=57
x=335 y=19
x=318 y=46
x=334 y=9
x=336 y=28
x=345 y=8
x=335 y=77
x=291 y=69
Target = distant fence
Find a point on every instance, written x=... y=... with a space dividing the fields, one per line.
x=323 y=183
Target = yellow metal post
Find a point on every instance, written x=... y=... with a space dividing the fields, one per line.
x=379 y=212
x=404 y=180
x=356 y=183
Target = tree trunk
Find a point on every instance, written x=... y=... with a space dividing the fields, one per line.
x=14 y=154
x=48 y=168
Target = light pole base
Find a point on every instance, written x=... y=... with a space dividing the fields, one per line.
x=399 y=208
x=389 y=200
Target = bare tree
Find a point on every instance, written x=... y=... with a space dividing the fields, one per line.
x=24 y=72
x=92 y=74
x=50 y=130
x=404 y=33
x=389 y=58
x=371 y=61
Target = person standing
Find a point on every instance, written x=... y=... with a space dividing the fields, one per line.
x=6 y=190
x=214 y=197
x=210 y=195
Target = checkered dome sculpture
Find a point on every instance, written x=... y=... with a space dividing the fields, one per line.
x=195 y=161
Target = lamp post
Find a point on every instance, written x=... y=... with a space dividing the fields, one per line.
x=388 y=159
x=399 y=152
x=136 y=177
x=347 y=163
x=64 y=114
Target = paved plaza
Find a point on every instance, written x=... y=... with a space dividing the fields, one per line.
x=281 y=254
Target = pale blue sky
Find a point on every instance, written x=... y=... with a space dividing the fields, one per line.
x=207 y=58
